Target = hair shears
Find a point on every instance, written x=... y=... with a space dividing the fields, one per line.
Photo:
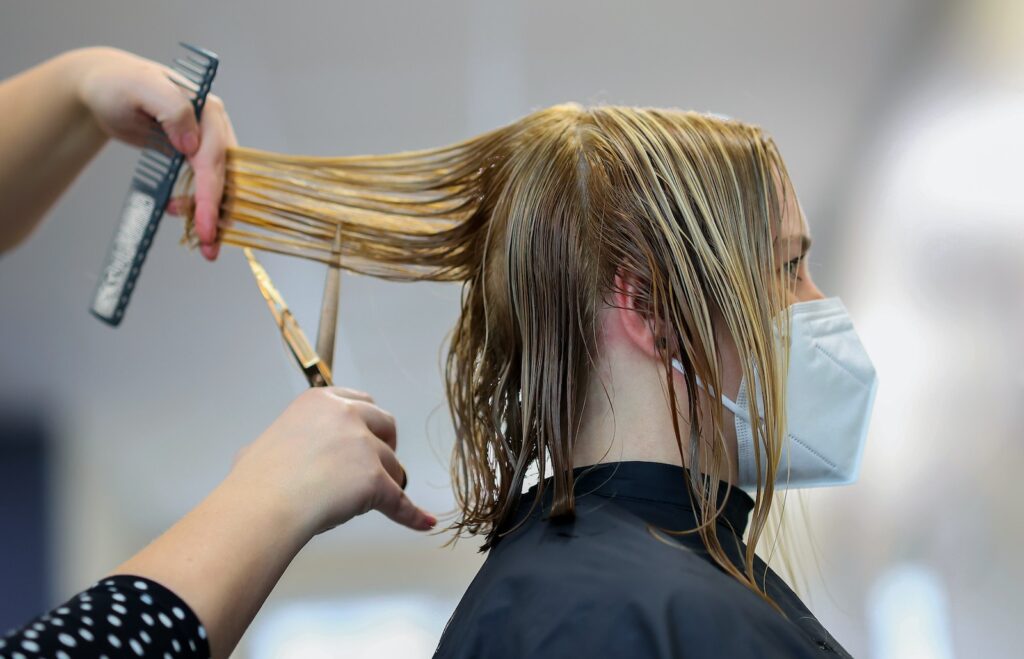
x=314 y=363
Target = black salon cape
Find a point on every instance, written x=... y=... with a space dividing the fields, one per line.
x=602 y=586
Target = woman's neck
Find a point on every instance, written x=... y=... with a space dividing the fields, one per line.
x=636 y=423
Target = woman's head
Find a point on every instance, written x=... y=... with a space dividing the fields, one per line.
x=630 y=355
x=577 y=234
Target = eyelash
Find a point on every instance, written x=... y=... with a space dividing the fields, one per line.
x=793 y=266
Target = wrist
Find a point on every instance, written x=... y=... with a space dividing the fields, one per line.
x=261 y=503
x=74 y=68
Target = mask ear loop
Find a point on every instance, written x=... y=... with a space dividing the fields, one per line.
x=728 y=402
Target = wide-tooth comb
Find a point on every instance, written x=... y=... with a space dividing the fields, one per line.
x=150 y=190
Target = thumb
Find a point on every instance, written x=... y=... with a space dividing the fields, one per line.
x=162 y=100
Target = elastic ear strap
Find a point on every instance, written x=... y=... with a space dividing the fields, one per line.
x=725 y=399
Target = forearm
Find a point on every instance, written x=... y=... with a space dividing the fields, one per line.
x=47 y=136
x=224 y=558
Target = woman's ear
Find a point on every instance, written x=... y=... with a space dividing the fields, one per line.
x=634 y=320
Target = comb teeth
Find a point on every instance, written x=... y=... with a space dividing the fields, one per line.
x=205 y=55
x=157 y=160
x=185 y=84
x=148 y=167
x=151 y=169
x=198 y=66
x=190 y=69
x=196 y=69
x=157 y=141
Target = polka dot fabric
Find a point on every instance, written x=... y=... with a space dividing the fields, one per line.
x=122 y=616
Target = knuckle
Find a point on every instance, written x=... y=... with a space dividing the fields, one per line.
x=210 y=155
x=357 y=393
x=313 y=398
x=347 y=418
x=381 y=475
x=391 y=424
x=347 y=409
x=373 y=486
x=370 y=443
x=386 y=493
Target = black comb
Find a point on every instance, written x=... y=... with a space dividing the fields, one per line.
x=152 y=183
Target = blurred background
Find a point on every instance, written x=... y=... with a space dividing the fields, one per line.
x=901 y=121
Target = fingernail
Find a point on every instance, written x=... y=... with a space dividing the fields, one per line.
x=190 y=141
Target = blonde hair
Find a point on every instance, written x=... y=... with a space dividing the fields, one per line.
x=535 y=218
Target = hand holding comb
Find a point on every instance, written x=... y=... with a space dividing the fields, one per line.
x=150 y=189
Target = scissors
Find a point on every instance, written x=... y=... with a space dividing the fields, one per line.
x=315 y=364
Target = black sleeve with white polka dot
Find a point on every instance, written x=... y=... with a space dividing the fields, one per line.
x=121 y=616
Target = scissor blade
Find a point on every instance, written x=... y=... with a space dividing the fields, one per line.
x=270 y=294
x=316 y=372
x=328 y=328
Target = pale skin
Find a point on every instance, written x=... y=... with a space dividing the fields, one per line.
x=631 y=370
x=329 y=457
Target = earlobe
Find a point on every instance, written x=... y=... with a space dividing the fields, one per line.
x=634 y=323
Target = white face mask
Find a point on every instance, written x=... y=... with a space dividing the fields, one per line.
x=830 y=389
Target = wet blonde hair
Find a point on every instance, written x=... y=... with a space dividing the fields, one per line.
x=535 y=218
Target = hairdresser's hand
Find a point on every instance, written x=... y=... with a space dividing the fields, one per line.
x=126 y=94
x=329 y=457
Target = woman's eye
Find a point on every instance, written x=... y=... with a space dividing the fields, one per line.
x=793 y=267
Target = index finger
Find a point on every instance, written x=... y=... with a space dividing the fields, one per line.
x=378 y=421
x=208 y=164
x=348 y=392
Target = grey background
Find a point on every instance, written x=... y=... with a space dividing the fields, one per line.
x=150 y=415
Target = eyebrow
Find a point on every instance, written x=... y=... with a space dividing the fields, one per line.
x=805 y=242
